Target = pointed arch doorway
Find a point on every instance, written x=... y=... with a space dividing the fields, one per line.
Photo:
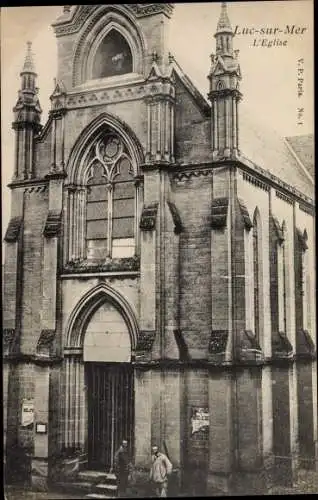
x=102 y=332
x=109 y=382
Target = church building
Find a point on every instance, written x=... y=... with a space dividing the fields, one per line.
x=159 y=277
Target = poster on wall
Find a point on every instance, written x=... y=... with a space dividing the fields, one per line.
x=199 y=420
x=27 y=415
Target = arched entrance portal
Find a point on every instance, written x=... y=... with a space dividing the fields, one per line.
x=99 y=405
x=109 y=382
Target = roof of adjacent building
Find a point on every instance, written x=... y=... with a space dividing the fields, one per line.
x=303 y=147
x=267 y=149
x=290 y=159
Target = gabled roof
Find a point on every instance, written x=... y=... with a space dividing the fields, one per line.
x=195 y=93
x=303 y=148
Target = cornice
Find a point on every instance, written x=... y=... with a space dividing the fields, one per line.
x=33 y=358
x=105 y=274
x=27 y=183
x=82 y=98
x=274 y=181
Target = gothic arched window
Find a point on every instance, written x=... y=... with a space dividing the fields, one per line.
x=110 y=202
x=302 y=278
x=113 y=56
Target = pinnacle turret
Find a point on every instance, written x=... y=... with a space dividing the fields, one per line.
x=27 y=108
x=224 y=25
x=224 y=34
x=224 y=76
x=28 y=66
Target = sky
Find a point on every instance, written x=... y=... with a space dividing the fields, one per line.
x=269 y=74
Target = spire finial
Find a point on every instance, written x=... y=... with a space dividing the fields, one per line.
x=28 y=66
x=224 y=24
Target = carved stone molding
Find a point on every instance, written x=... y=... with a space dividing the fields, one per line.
x=245 y=215
x=284 y=197
x=307 y=210
x=144 y=345
x=185 y=176
x=10 y=340
x=219 y=211
x=281 y=346
x=110 y=264
x=176 y=217
x=148 y=217
x=305 y=348
x=13 y=229
x=96 y=97
x=53 y=224
x=68 y=24
x=217 y=346
x=256 y=182
x=148 y=9
x=45 y=342
x=35 y=189
x=247 y=347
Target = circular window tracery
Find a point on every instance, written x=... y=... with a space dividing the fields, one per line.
x=109 y=152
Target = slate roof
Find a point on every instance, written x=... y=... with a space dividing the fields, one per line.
x=303 y=147
x=266 y=148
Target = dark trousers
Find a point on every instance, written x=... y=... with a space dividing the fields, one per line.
x=122 y=483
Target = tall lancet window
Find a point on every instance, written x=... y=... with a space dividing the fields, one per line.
x=302 y=281
x=281 y=279
x=257 y=273
x=110 y=202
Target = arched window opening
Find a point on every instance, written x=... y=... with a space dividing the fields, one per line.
x=113 y=57
x=285 y=267
x=281 y=283
x=110 y=203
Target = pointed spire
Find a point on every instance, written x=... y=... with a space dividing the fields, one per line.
x=28 y=66
x=224 y=25
x=224 y=34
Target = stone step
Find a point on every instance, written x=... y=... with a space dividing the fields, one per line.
x=110 y=477
x=92 y=476
x=83 y=486
x=106 y=487
x=98 y=495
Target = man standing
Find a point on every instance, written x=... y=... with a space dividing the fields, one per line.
x=122 y=467
x=161 y=468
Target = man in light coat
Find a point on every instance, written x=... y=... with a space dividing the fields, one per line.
x=161 y=468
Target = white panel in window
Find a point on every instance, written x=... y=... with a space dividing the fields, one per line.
x=123 y=247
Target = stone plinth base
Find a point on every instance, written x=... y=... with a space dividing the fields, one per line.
x=39 y=474
x=258 y=482
x=285 y=472
x=219 y=484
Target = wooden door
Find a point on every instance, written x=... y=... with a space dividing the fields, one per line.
x=110 y=411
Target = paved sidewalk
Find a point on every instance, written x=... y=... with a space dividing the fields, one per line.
x=20 y=493
x=307 y=483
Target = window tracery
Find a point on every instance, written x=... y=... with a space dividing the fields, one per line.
x=103 y=221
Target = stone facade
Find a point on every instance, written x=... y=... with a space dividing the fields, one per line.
x=207 y=279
